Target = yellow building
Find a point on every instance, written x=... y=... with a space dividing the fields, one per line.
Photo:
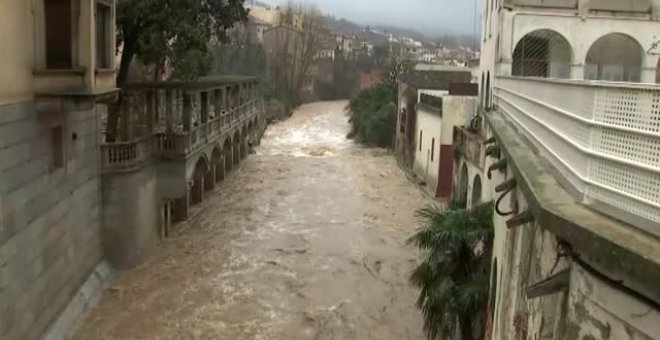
x=57 y=70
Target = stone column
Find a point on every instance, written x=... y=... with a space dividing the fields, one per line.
x=169 y=112
x=577 y=72
x=152 y=110
x=244 y=146
x=217 y=102
x=650 y=63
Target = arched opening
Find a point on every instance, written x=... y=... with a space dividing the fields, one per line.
x=476 y=191
x=542 y=53
x=197 y=191
x=463 y=186
x=218 y=164
x=236 y=148
x=228 y=156
x=614 y=57
x=245 y=140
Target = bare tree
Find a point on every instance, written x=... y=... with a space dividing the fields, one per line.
x=291 y=47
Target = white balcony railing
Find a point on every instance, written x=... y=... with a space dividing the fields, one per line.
x=602 y=138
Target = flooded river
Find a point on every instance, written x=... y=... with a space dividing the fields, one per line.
x=305 y=241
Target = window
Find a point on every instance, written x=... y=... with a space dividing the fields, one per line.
x=432 y=148
x=57 y=147
x=420 y=140
x=483 y=90
x=103 y=31
x=488 y=98
x=59 y=41
x=402 y=122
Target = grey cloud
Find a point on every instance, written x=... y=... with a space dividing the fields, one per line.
x=432 y=17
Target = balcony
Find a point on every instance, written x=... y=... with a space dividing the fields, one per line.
x=173 y=120
x=178 y=144
x=125 y=156
x=602 y=140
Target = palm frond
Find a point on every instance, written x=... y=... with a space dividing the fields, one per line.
x=452 y=278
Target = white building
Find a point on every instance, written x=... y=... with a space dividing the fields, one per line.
x=348 y=44
x=438 y=113
x=325 y=53
x=576 y=251
x=428 y=131
x=268 y=14
x=428 y=56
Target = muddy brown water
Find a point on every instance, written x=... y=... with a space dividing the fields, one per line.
x=305 y=241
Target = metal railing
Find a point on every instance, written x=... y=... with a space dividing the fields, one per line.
x=602 y=138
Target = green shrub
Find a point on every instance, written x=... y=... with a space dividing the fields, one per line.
x=373 y=116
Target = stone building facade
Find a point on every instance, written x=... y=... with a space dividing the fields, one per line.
x=569 y=134
x=53 y=85
x=74 y=204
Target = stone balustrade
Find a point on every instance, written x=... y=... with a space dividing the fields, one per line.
x=175 y=119
x=125 y=156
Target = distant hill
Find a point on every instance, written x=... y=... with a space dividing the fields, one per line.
x=402 y=32
x=342 y=25
x=377 y=34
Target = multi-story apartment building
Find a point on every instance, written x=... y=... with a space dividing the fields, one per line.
x=71 y=197
x=570 y=140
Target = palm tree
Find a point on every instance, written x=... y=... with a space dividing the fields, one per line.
x=453 y=276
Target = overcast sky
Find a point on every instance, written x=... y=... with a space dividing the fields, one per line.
x=431 y=17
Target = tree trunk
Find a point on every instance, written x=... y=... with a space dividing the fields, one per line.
x=127 y=55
